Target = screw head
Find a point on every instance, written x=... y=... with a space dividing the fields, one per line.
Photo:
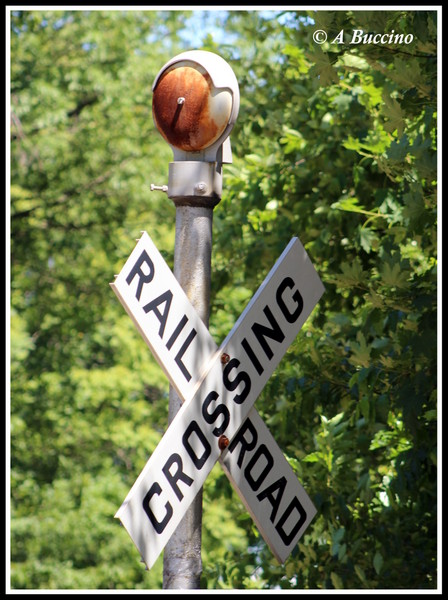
x=223 y=442
x=225 y=358
x=200 y=188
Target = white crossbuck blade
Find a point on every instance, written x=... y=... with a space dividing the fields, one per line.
x=218 y=397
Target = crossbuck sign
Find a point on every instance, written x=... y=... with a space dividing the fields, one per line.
x=218 y=388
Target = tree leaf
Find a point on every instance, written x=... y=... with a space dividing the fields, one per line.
x=323 y=68
x=394 y=115
x=378 y=562
x=336 y=581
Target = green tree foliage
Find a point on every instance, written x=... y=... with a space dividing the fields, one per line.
x=334 y=143
x=337 y=144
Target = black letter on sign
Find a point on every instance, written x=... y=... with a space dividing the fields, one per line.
x=159 y=526
x=221 y=409
x=262 y=332
x=179 y=474
x=137 y=270
x=182 y=351
x=290 y=317
x=232 y=385
x=240 y=439
x=177 y=331
x=255 y=484
x=165 y=298
x=251 y=354
x=280 y=484
x=287 y=538
x=198 y=460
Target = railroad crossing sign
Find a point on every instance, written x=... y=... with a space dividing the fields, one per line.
x=217 y=420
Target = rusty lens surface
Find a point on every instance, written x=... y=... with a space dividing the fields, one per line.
x=191 y=124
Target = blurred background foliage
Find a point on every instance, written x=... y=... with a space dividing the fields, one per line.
x=334 y=143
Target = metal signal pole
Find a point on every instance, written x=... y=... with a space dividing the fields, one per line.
x=195 y=105
x=182 y=563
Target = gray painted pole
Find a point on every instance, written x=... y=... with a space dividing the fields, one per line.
x=195 y=105
x=182 y=563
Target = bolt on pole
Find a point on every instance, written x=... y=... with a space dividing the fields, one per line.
x=195 y=105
